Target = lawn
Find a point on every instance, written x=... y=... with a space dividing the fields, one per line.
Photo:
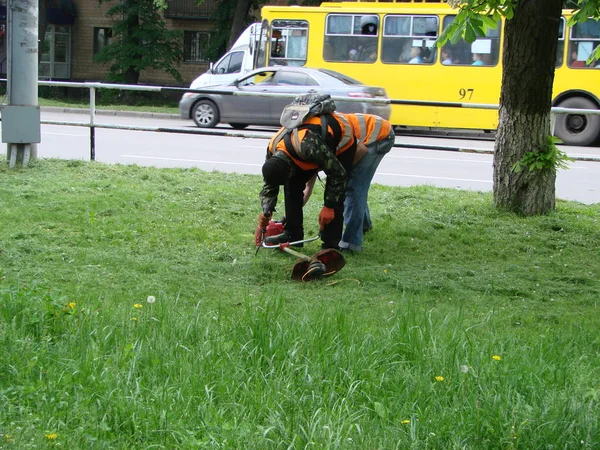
x=134 y=313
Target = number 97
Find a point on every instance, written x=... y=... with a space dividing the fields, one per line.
x=466 y=94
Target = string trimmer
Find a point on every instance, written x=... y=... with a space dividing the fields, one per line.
x=324 y=263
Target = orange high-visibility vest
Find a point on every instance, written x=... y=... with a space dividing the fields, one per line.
x=342 y=140
x=369 y=128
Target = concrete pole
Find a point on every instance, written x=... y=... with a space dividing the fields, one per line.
x=22 y=67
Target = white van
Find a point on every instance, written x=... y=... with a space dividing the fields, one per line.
x=233 y=64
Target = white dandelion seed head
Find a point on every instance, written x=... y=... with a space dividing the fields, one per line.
x=151 y=299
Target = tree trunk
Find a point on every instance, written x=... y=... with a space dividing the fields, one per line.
x=242 y=9
x=530 y=42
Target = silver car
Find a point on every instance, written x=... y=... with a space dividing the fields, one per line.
x=239 y=111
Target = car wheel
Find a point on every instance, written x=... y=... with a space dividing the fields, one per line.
x=238 y=126
x=205 y=114
x=577 y=129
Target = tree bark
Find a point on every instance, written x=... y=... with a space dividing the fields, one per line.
x=530 y=42
x=242 y=9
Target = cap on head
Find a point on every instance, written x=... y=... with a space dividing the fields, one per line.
x=275 y=171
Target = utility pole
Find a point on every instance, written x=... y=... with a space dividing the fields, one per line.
x=21 y=117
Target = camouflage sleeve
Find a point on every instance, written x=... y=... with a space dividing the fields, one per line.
x=315 y=150
x=268 y=197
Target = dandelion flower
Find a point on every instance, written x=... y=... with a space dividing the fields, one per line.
x=134 y=319
x=72 y=305
x=406 y=421
x=386 y=270
x=497 y=358
x=51 y=436
x=151 y=299
x=138 y=306
x=439 y=378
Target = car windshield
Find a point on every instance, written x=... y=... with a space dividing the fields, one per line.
x=339 y=76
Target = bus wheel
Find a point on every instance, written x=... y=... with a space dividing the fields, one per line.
x=205 y=114
x=238 y=126
x=577 y=129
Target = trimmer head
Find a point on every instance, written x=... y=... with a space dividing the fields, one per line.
x=322 y=264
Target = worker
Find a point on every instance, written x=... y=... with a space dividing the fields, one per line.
x=377 y=134
x=313 y=138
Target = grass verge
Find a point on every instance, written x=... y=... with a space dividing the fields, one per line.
x=134 y=313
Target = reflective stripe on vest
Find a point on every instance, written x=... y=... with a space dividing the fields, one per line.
x=369 y=128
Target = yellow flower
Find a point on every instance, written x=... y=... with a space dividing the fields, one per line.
x=138 y=306
x=497 y=358
x=133 y=318
x=8 y=438
x=51 y=436
x=386 y=270
x=439 y=378
x=405 y=421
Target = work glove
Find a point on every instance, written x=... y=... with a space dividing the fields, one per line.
x=325 y=216
x=263 y=220
x=258 y=236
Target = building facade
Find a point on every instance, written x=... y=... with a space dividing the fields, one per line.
x=78 y=29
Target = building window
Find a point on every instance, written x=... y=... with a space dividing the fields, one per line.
x=55 y=61
x=102 y=38
x=194 y=42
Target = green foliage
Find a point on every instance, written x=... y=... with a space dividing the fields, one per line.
x=140 y=41
x=548 y=158
x=477 y=16
x=134 y=313
x=223 y=19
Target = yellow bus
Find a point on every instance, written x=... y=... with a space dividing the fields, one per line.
x=392 y=45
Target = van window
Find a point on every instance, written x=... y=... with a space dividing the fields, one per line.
x=231 y=63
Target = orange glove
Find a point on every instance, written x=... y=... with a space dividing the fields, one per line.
x=325 y=216
x=258 y=236
x=263 y=220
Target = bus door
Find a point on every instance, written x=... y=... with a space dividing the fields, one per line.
x=470 y=73
x=409 y=56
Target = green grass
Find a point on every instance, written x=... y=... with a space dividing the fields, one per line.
x=233 y=354
x=171 y=108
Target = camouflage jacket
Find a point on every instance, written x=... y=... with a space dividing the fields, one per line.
x=314 y=150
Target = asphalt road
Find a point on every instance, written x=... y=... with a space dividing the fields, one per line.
x=402 y=167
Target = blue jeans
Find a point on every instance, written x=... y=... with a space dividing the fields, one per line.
x=356 y=209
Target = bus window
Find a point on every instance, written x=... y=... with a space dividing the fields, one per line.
x=482 y=52
x=560 y=48
x=409 y=39
x=351 y=38
x=584 y=39
x=289 y=42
